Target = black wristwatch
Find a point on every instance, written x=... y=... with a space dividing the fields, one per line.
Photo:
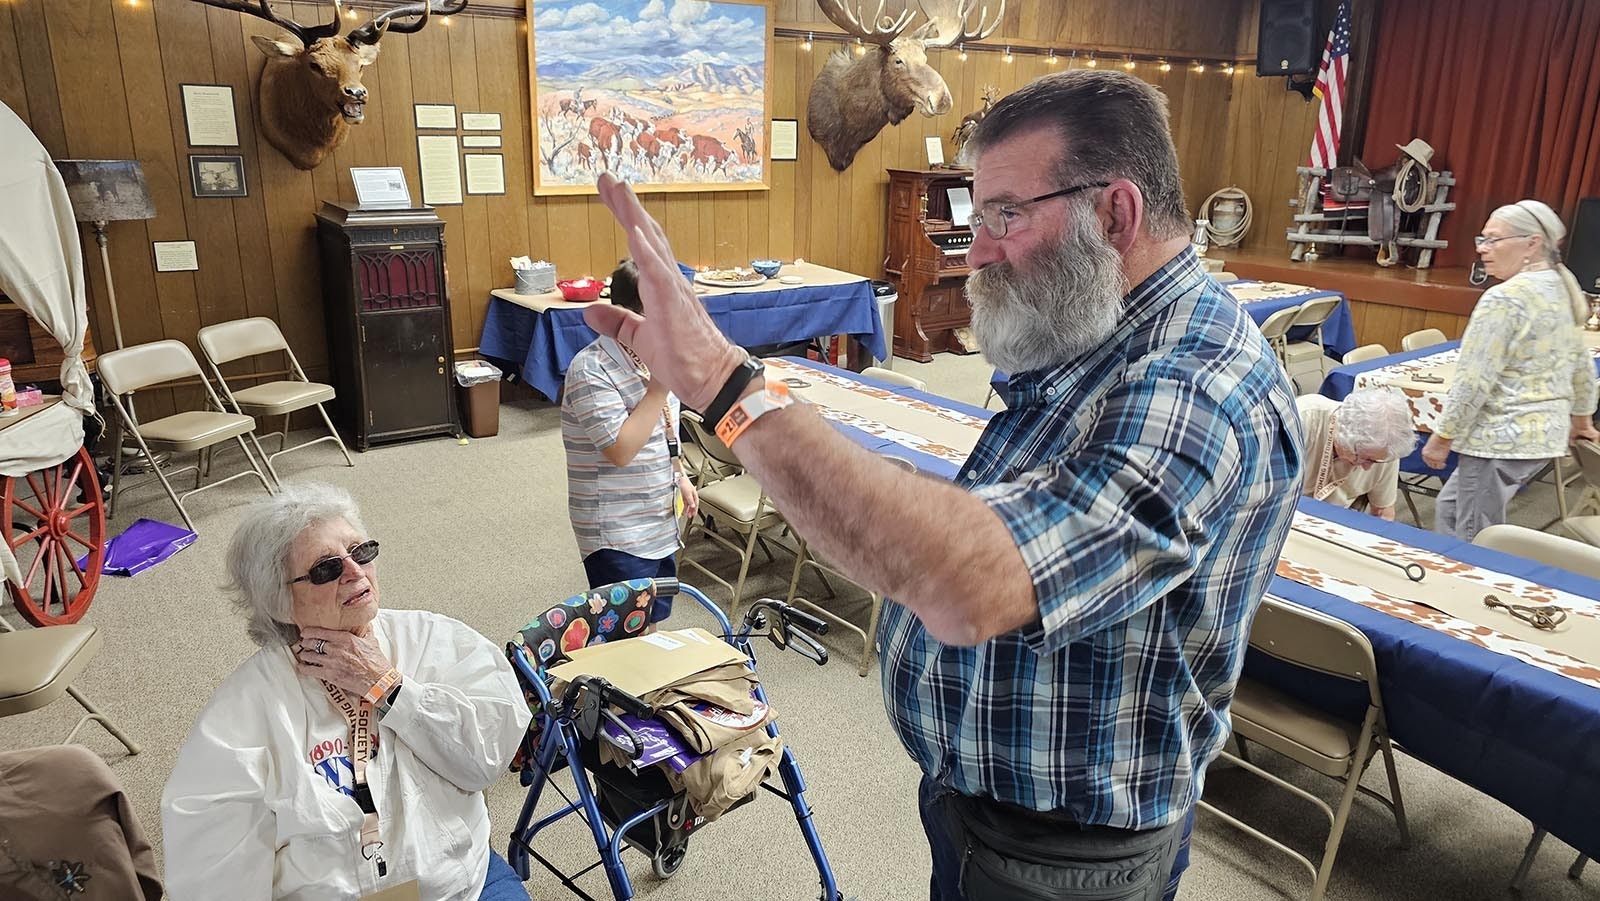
x=732 y=390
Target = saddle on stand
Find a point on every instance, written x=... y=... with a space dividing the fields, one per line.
x=1384 y=197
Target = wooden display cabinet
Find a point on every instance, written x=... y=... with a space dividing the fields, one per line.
x=927 y=262
x=389 y=341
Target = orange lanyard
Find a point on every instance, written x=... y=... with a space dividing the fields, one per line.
x=1321 y=489
x=358 y=716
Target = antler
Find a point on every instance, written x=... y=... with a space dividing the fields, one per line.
x=262 y=9
x=882 y=29
x=384 y=22
x=949 y=21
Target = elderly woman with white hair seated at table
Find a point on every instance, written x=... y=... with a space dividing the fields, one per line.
x=1354 y=448
x=348 y=756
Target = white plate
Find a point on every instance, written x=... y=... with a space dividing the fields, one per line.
x=791 y=279
x=704 y=279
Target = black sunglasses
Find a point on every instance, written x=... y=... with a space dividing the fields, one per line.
x=329 y=568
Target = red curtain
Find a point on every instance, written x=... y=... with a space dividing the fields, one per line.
x=1508 y=94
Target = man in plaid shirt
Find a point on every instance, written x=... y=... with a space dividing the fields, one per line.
x=1071 y=616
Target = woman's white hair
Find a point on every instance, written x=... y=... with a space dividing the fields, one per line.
x=1537 y=219
x=1375 y=419
x=258 y=554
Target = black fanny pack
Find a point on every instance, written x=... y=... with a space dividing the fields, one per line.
x=1011 y=854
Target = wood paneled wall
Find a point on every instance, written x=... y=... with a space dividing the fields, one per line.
x=100 y=79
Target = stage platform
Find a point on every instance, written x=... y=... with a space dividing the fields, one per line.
x=1436 y=290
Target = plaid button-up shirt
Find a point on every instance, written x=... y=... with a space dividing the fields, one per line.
x=1149 y=485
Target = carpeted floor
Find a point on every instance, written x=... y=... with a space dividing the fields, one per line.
x=479 y=532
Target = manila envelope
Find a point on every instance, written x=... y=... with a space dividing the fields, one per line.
x=642 y=665
x=406 y=891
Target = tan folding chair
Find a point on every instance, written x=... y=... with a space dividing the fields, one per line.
x=241 y=338
x=1427 y=337
x=37 y=666
x=1562 y=553
x=896 y=378
x=1584 y=520
x=1301 y=358
x=1364 y=353
x=1319 y=740
x=1224 y=277
x=143 y=366
x=804 y=558
x=1276 y=330
x=737 y=502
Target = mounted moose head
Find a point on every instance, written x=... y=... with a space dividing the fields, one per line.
x=853 y=98
x=310 y=93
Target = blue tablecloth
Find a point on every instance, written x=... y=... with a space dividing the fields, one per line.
x=1338 y=332
x=934 y=466
x=1523 y=735
x=542 y=345
x=1341 y=380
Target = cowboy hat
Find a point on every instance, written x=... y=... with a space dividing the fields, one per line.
x=1418 y=150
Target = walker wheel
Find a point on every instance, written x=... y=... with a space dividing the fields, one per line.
x=666 y=862
x=50 y=518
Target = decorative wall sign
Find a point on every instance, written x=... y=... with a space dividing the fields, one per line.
x=217 y=176
x=670 y=96
x=208 y=115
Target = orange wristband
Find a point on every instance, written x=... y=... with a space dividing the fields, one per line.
x=774 y=395
x=382 y=686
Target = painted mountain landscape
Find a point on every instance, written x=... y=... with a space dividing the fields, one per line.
x=668 y=94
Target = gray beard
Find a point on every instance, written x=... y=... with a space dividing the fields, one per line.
x=1052 y=306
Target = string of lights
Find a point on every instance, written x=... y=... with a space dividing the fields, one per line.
x=1072 y=57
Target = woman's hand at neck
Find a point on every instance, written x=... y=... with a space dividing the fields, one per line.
x=352 y=661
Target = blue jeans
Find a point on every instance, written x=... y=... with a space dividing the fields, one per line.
x=945 y=883
x=501 y=883
x=609 y=565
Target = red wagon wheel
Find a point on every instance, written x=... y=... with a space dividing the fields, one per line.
x=51 y=518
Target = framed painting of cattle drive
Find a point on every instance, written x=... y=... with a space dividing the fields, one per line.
x=217 y=176
x=670 y=96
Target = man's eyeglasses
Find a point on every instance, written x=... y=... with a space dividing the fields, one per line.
x=329 y=568
x=995 y=218
x=1480 y=242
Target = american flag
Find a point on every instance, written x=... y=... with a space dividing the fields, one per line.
x=1330 y=90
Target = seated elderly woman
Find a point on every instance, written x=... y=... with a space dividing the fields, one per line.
x=350 y=753
x=1354 y=448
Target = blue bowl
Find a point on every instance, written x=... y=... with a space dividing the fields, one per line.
x=768 y=268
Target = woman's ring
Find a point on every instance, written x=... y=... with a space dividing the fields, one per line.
x=322 y=646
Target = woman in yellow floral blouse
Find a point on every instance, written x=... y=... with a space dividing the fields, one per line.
x=1524 y=386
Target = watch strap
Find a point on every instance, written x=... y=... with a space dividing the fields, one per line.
x=731 y=389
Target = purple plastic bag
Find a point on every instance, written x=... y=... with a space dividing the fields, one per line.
x=141 y=546
x=660 y=742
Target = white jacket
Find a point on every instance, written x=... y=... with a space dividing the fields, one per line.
x=259 y=805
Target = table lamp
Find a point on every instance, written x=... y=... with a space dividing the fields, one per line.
x=107 y=191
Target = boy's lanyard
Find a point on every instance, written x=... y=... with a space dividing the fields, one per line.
x=358 y=715
x=666 y=407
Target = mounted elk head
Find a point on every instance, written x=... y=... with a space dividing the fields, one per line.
x=853 y=97
x=310 y=91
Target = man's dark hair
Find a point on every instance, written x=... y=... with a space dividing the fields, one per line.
x=1111 y=124
x=625 y=287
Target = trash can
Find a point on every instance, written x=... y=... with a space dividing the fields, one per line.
x=885 y=294
x=478 y=394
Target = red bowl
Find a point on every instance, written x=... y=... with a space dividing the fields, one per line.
x=580 y=289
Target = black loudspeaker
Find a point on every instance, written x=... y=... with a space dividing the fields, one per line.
x=1583 y=245
x=1288 y=43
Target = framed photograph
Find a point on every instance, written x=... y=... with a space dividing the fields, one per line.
x=785 y=140
x=208 y=115
x=217 y=176
x=669 y=96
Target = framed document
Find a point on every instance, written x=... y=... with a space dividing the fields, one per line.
x=486 y=173
x=935 y=150
x=480 y=121
x=381 y=186
x=785 y=139
x=217 y=176
x=175 y=256
x=441 y=170
x=436 y=115
x=208 y=115
x=480 y=140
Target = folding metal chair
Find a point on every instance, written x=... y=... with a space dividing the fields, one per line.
x=1417 y=340
x=241 y=338
x=1309 y=736
x=737 y=502
x=143 y=366
x=38 y=666
x=1364 y=353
